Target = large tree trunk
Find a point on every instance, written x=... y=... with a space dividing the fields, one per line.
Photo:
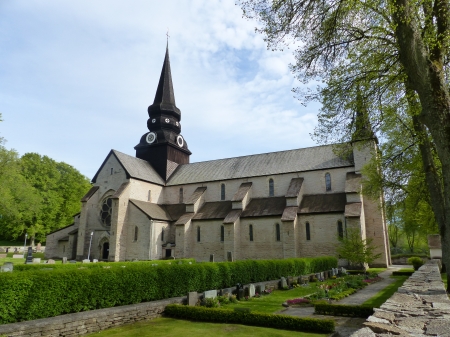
x=424 y=69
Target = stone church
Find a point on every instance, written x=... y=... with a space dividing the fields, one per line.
x=294 y=203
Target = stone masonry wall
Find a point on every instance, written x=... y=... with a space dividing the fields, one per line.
x=89 y=321
x=420 y=307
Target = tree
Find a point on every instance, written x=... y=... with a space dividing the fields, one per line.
x=355 y=249
x=395 y=52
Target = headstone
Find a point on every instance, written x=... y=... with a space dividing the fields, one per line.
x=17 y=256
x=241 y=294
x=211 y=258
x=258 y=289
x=322 y=276
x=37 y=260
x=192 y=298
x=210 y=294
x=226 y=291
x=38 y=248
x=7 y=267
x=73 y=261
x=2 y=256
x=64 y=260
x=283 y=283
x=434 y=243
x=251 y=290
x=229 y=256
x=30 y=256
x=51 y=261
x=86 y=261
x=95 y=261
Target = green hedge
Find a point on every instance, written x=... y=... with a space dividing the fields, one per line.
x=343 y=310
x=402 y=273
x=248 y=318
x=46 y=293
x=396 y=256
x=45 y=266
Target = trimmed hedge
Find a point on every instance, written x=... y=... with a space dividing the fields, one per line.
x=402 y=273
x=248 y=318
x=45 y=266
x=343 y=310
x=396 y=256
x=46 y=293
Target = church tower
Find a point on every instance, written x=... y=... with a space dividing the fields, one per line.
x=164 y=147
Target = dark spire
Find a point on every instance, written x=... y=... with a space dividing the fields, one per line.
x=164 y=98
x=362 y=127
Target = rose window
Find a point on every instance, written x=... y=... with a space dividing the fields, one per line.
x=106 y=211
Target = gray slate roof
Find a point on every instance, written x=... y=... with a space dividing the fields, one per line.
x=322 y=203
x=264 y=207
x=160 y=212
x=138 y=168
x=307 y=159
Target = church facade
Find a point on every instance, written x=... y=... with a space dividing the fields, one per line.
x=294 y=203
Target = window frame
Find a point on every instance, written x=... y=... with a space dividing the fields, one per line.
x=271 y=187
x=327 y=182
x=250 y=232
x=278 y=232
x=308 y=231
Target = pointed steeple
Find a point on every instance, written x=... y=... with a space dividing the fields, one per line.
x=165 y=97
x=362 y=127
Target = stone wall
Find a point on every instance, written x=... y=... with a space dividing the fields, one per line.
x=87 y=322
x=420 y=307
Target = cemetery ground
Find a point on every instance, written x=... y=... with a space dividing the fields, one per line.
x=372 y=295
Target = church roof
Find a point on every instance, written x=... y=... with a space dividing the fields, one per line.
x=160 y=212
x=213 y=210
x=134 y=167
x=306 y=159
x=323 y=203
x=264 y=207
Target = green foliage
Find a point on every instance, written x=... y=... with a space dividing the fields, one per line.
x=36 y=294
x=402 y=273
x=343 y=310
x=408 y=255
x=417 y=262
x=356 y=250
x=249 y=318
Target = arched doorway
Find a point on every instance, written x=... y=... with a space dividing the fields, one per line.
x=105 y=250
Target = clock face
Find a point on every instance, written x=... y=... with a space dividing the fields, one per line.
x=151 y=137
x=153 y=121
x=180 y=141
x=167 y=120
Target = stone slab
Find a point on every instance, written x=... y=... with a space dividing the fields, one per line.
x=192 y=298
x=210 y=294
x=18 y=256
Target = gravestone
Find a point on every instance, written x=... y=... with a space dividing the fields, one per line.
x=434 y=243
x=210 y=294
x=283 y=283
x=7 y=267
x=95 y=261
x=73 y=261
x=86 y=261
x=30 y=256
x=258 y=289
x=229 y=256
x=37 y=260
x=2 y=256
x=226 y=292
x=64 y=260
x=251 y=290
x=51 y=261
x=211 y=258
x=241 y=293
x=192 y=298
x=38 y=248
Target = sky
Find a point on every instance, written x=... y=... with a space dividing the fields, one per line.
x=76 y=78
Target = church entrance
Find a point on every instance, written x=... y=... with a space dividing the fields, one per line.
x=168 y=252
x=105 y=251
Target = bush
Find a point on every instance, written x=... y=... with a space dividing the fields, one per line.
x=249 y=318
x=343 y=310
x=396 y=256
x=417 y=262
x=402 y=273
x=34 y=293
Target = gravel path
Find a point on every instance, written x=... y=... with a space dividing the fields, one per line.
x=345 y=326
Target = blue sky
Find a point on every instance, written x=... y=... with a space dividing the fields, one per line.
x=76 y=78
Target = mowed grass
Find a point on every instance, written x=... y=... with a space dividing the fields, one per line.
x=383 y=295
x=160 y=327
x=444 y=278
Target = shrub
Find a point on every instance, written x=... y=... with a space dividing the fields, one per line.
x=249 y=318
x=417 y=262
x=402 y=273
x=210 y=303
x=343 y=310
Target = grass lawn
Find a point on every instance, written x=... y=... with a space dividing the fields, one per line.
x=173 y=327
x=383 y=295
x=444 y=278
x=407 y=270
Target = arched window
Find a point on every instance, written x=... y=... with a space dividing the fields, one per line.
x=222 y=191
x=340 y=229
x=181 y=195
x=198 y=234
x=106 y=212
x=328 y=182
x=222 y=233
x=278 y=232
x=136 y=230
x=250 y=232
x=271 y=188
x=112 y=170
x=162 y=234
x=308 y=231
x=149 y=197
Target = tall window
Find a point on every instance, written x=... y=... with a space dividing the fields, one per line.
x=278 y=232
x=308 y=232
x=106 y=212
x=222 y=233
x=181 y=195
x=222 y=191
x=340 y=230
x=198 y=234
x=149 y=197
x=136 y=230
x=112 y=170
x=271 y=188
x=162 y=234
x=328 y=181
x=250 y=232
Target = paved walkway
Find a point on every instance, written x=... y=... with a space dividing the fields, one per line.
x=345 y=326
